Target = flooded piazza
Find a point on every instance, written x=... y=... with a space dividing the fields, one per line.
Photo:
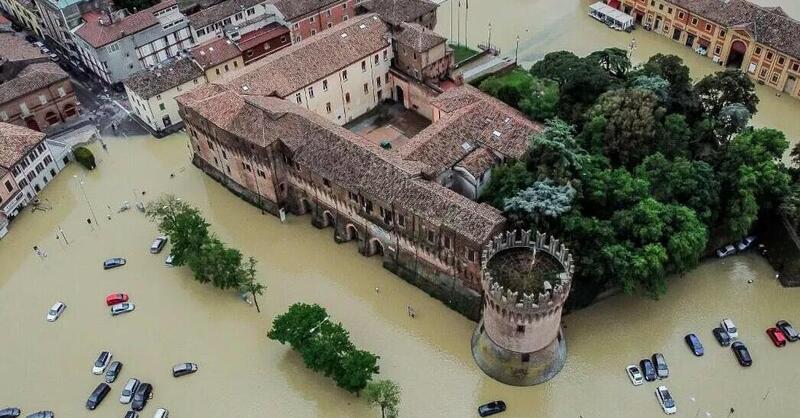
x=242 y=374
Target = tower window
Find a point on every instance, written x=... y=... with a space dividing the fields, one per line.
x=521 y=329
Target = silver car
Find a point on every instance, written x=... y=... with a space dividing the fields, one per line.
x=122 y=308
x=129 y=390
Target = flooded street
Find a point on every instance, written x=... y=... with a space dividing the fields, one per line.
x=242 y=374
x=545 y=26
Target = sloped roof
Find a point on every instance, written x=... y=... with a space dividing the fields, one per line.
x=418 y=38
x=471 y=120
x=98 y=34
x=33 y=77
x=303 y=63
x=396 y=12
x=16 y=48
x=221 y=10
x=15 y=143
x=260 y=36
x=770 y=26
x=215 y=52
x=149 y=83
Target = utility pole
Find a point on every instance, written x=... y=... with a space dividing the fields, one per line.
x=86 y=198
x=489 y=44
x=61 y=231
x=516 y=51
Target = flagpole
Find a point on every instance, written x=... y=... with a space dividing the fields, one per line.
x=458 y=20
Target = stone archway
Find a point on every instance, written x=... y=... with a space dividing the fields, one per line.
x=374 y=247
x=52 y=118
x=328 y=219
x=351 y=233
x=736 y=54
x=400 y=96
x=305 y=206
x=70 y=110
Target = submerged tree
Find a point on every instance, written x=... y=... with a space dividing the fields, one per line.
x=250 y=284
x=386 y=395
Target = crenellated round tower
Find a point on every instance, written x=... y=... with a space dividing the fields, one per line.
x=526 y=278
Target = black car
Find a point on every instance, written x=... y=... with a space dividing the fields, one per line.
x=131 y=414
x=491 y=408
x=31 y=39
x=183 y=369
x=142 y=395
x=42 y=414
x=113 y=262
x=97 y=396
x=722 y=337
x=112 y=371
x=10 y=413
x=789 y=331
x=694 y=344
x=648 y=370
x=662 y=370
x=742 y=354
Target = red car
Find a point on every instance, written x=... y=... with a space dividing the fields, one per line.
x=776 y=336
x=116 y=298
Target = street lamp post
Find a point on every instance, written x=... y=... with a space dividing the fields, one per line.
x=516 y=51
x=86 y=198
x=489 y=46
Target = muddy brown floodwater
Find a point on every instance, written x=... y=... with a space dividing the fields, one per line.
x=243 y=374
x=548 y=25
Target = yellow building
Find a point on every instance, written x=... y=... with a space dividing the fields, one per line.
x=218 y=57
x=26 y=13
x=762 y=41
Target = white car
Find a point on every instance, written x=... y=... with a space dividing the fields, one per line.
x=635 y=375
x=39 y=44
x=122 y=308
x=55 y=311
x=745 y=243
x=726 y=251
x=102 y=362
x=161 y=413
x=729 y=327
x=127 y=392
x=45 y=50
x=158 y=244
x=665 y=400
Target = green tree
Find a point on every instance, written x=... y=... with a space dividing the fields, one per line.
x=296 y=325
x=357 y=369
x=674 y=137
x=542 y=101
x=725 y=88
x=325 y=348
x=653 y=83
x=85 y=157
x=554 y=153
x=217 y=264
x=249 y=282
x=613 y=60
x=604 y=191
x=541 y=202
x=681 y=96
x=732 y=119
x=690 y=183
x=752 y=177
x=384 y=394
x=509 y=88
x=506 y=180
x=632 y=121
x=182 y=223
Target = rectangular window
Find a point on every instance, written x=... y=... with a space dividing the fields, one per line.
x=224 y=155
x=210 y=145
x=694 y=21
x=376 y=58
x=311 y=92
x=378 y=80
x=326 y=182
x=795 y=68
x=366 y=88
x=386 y=77
x=328 y=12
x=328 y=107
x=758 y=50
x=347 y=97
x=364 y=66
x=763 y=72
x=161 y=106
x=330 y=25
x=311 y=20
x=324 y=85
x=769 y=56
x=298 y=98
x=781 y=60
x=344 y=75
x=251 y=11
x=431 y=237
x=385 y=54
x=236 y=64
x=313 y=32
x=353 y=196
x=401 y=220
x=42 y=99
x=722 y=33
x=9 y=187
x=447 y=242
x=226 y=68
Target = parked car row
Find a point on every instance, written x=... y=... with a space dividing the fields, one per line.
x=15 y=412
x=737 y=247
x=648 y=370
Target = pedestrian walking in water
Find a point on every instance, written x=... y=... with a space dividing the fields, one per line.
x=39 y=252
x=411 y=312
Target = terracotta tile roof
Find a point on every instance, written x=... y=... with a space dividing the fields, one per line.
x=471 y=120
x=149 y=83
x=220 y=11
x=343 y=157
x=312 y=59
x=479 y=161
x=16 y=48
x=215 y=52
x=418 y=38
x=32 y=78
x=396 y=12
x=260 y=36
x=293 y=9
x=769 y=26
x=15 y=142
x=97 y=34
